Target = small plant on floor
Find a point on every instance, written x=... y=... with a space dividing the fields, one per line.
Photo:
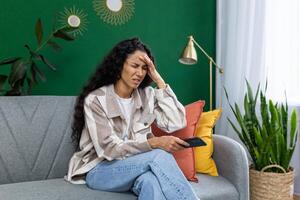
x=269 y=140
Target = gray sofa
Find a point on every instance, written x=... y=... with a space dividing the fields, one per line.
x=35 y=148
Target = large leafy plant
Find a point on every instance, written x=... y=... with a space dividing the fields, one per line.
x=25 y=71
x=268 y=139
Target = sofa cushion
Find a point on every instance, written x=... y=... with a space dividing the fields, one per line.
x=56 y=189
x=59 y=189
x=203 y=160
x=214 y=188
x=185 y=157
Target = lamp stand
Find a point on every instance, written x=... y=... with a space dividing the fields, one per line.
x=189 y=57
x=211 y=62
x=210 y=85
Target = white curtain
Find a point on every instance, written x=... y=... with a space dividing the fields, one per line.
x=282 y=60
x=258 y=39
x=240 y=48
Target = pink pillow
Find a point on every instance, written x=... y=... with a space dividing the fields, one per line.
x=185 y=158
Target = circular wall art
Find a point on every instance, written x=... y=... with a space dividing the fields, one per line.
x=75 y=18
x=114 y=12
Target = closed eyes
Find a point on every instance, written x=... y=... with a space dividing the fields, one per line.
x=135 y=65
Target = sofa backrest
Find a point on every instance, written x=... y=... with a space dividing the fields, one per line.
x=35 y=141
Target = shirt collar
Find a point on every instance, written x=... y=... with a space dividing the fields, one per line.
x=113 y=107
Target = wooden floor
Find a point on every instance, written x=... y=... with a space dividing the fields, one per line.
x=296 y=197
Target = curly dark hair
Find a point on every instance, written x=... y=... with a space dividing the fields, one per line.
x=107 y=72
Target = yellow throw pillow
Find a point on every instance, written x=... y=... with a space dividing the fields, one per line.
x=204 y=129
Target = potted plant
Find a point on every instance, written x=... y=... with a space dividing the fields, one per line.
x=270 y=140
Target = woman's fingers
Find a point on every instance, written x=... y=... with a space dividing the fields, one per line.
x=152 y=72
x=177 y=144
x=169 y=143
x=177 y=147
x=182 y=142
x=147 y=61
x=151 y=68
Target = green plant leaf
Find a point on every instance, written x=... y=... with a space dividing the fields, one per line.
x=289 y=157
x=32 y=73
x=257 y=154
x=284 y=121
x=242 y=123
x=253 y=111
x=274 y=116
x=54 y=45
x=284 y=150
x=236 y=130
x=247 y=107
x=274 y=131
x=231 y=107
x=46 y=62
x=250 y=93
x=63 y=35
x=257 y=92
x=16 y=91
x=39 y=31
x=266 y=86
x=246 y=135
x=276 y=146
x=2 y=80
x=9 y=60
x=30 y=83
x=264 y=133
x=258 y=138
x=226 y=94
x=18 y=70
x=264 y=112
x=293 y=128
x=36 y=71
x=266 y=151
x=32 y=53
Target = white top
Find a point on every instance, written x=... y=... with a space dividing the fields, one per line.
x=126 y=108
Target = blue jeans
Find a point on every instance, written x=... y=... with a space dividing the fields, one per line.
x=150 y=175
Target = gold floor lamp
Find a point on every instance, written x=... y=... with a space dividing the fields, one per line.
x=189 y=57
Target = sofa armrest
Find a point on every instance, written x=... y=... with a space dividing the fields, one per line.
x=232 y=163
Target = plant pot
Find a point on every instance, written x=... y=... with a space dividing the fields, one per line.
x=270 y=185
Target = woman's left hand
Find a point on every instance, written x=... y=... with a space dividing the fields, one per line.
x=152 y=72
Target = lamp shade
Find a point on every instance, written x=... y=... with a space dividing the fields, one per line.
x=189 y=54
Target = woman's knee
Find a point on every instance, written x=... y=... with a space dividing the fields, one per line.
x=162 y=154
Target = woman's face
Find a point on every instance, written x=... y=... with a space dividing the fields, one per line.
x=134 y=70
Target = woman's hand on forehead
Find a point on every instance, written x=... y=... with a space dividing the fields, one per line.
x=152 y=72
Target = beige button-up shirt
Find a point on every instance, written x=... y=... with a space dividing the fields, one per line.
x=105 y=124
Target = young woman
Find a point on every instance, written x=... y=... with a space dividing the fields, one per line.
x=112 y=128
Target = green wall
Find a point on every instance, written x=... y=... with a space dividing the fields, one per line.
x=162 y=24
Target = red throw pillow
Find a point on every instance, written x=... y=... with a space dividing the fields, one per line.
x=185 y=158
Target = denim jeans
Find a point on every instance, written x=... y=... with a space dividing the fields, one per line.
x=151 y=175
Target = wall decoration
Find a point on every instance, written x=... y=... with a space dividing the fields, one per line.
x=75 y=18
x=25 y=71
x=114 y=12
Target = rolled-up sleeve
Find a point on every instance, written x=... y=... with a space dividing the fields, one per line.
x=170 y=113
x=105 y=141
